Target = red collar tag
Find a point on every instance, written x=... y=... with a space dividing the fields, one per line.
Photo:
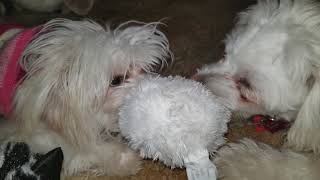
x=267 y=123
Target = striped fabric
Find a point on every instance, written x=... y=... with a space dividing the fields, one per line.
x=14 y=40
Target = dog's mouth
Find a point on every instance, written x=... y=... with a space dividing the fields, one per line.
x=244 y=88
x=236 y=89
x=247 y=92
x=244 y=98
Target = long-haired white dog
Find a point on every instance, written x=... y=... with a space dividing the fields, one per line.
x=272 y=66
x=77 y=73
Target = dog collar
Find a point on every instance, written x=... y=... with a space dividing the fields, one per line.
x=269 y=123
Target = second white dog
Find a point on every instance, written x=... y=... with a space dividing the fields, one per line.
x=272 y=66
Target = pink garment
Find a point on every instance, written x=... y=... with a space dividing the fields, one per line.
x=10 y=70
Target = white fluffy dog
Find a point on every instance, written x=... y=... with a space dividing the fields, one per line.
x=271 y=66
x=77 y=74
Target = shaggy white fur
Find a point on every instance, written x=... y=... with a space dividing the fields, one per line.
x=271 y=66
x=248 y=160
x=177 y=121
x=77 y=74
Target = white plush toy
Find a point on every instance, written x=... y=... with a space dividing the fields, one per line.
x=177 y=121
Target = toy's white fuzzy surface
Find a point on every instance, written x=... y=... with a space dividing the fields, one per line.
x=171 y=118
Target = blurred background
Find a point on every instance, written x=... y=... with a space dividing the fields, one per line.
x=195 y=28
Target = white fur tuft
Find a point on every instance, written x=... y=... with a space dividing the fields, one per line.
x=248 y=160
x=304 y=134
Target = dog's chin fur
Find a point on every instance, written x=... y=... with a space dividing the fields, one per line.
x=66 y=99
x=248 y=160
x=271 y=66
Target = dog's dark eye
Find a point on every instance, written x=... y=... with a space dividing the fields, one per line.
x=117 y=80
x=244 y=82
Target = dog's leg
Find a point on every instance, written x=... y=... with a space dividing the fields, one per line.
x=248 y=160
x=110 y=158
x=304 y=134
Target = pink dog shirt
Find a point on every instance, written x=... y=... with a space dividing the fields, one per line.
x=14 y=39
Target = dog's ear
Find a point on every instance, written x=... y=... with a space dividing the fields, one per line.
x=62 y=82
x=304 y=55
x=80 y=7
x=141 y=45
x=304 y=134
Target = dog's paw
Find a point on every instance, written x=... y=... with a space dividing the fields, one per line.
x=80 y=163
x=130 y=162
x=111 y=159
x=303 y=140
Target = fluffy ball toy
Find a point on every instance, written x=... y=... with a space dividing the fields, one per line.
x=177 y=121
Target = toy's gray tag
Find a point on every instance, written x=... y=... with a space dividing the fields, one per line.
x=199 y=166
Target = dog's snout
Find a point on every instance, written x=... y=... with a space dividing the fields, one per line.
x=198 y=77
